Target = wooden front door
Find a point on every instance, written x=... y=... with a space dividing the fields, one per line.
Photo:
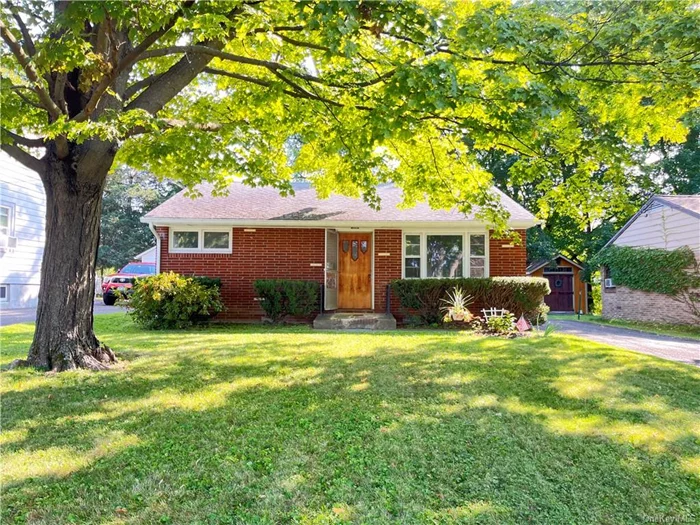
x=355 y=271
x=561 y=299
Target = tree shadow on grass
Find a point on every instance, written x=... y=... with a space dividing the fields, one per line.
x=251 y=425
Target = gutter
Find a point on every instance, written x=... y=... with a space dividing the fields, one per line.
x=392 y=225
x=155 y=234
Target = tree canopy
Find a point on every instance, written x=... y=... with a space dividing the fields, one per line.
x=352 y=94
x=128 y=195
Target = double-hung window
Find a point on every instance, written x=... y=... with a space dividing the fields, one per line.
x=477 y=255
x=444 y=255
x=412 y=257
x=205 y=240
x=5 y=220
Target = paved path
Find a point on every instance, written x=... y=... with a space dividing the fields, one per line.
x=666 y=347
x=28 y=315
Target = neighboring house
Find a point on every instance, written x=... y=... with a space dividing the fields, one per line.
x=22 y=219
x=148 y=256
x=355 y=251
x=666 y=222
x=568 y=292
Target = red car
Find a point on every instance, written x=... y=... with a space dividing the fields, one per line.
x=119 y=284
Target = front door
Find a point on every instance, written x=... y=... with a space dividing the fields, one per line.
x=355 y=271
x=561 y=298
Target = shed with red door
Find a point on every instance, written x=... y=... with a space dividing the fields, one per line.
x=568 y=292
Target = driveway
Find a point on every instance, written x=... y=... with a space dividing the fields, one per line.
x=28 y=315
x=667 y=347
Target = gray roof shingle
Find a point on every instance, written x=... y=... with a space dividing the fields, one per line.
x=265 y=204
x=689 y=203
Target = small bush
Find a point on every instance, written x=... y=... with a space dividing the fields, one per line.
x=520 y=295
x=207 y=282
x=169 y=300
x=501 y=325
x=282 y=298
x=539 y=316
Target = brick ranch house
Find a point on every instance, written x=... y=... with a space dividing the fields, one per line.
x=666 y=222
x=354 y=251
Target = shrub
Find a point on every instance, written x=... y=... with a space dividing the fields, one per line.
x=520 y=295
x=283 y=298
x=207 y=282
x=501 y=325
x=539 y=315
x=169 y=300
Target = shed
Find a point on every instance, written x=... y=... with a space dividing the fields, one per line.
x=569 y=293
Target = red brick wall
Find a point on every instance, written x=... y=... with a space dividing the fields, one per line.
x=506 y=260
x=386 y=267
x=287 y=253
x=267 y=253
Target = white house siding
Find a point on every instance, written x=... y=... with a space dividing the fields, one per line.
x=663 y=227
x=149 y=256
x=21 y=190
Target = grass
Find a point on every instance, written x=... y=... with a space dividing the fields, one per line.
x=248 y=424
x=676 y=330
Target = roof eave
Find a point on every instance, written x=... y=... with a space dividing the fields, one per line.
x=168 y=221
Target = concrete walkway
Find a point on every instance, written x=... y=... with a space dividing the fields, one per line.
x=667 y=347
x=28 y=315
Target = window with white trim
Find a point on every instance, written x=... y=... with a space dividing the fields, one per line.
x=4 y=296
x=412 y=257
x=444 y=255
x=186 y=240
x=477 y=255
x=206 y=240
x=5 y=220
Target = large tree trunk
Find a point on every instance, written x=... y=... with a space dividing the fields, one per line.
x=64 y=338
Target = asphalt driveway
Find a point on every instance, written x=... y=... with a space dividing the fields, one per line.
x=666 y=347
x=28 y=315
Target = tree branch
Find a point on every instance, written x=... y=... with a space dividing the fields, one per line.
x=141 y=84
x=298 y=91
x=124 y=64
x=24 y=141
x=27 y=42
x=300 y=43
x=24 y=158
x=17 y=91
x=25 y=62
x=267 y=64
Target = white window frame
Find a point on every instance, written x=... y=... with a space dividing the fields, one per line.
x=420 y=257
x=10 y=219
x=7 y=293
x=200 y=239
x=484 y=257
x=466 y=246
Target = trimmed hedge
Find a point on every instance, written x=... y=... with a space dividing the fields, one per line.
x=207 y=282
x=169 y=300
x=283 y=298
x=520 y=295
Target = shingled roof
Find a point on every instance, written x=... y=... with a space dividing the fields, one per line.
x=261 y=204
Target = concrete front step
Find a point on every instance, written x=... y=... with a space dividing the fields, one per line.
x=354 y=321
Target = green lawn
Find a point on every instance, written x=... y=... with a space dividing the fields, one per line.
x=686 y=331
x=262 y=425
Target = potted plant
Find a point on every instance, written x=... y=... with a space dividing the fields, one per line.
x=456 y=306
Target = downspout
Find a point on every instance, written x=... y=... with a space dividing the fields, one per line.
x=155 y=234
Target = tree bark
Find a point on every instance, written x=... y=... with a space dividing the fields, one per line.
x=64 y=338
